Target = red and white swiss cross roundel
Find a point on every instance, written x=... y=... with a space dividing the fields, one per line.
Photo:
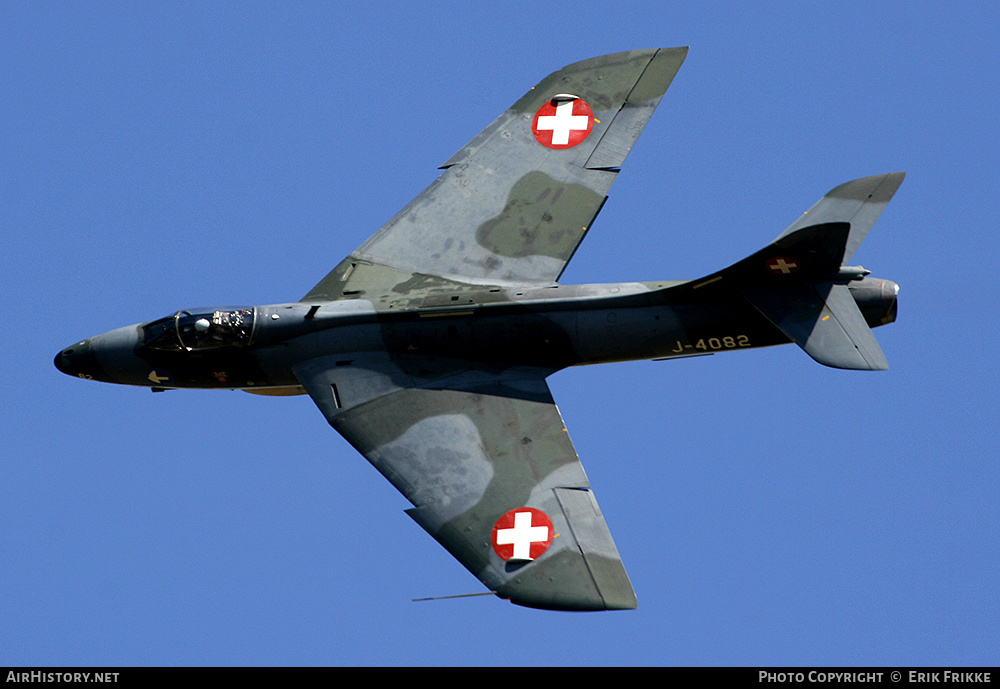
x=522 y=534
x=562 y=122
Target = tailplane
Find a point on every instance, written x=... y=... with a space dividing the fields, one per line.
x=859 y=203
x=801 y=284
x=823 y=319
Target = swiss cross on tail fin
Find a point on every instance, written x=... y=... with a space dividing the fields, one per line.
x=813 y=252
x=800 y=283
x=807 y=296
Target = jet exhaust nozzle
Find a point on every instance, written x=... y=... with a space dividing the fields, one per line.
x=876 y=298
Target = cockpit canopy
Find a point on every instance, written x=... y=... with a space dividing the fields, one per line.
x=201 y=329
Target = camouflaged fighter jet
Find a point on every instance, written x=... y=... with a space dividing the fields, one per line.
x=428 y=347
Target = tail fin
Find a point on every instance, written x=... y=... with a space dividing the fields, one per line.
x=799 y=282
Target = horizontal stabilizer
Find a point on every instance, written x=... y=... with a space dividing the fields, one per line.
x=859 y=202
x=824 y=320
x=799 y=282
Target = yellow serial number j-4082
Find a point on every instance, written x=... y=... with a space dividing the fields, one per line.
x=709 y=344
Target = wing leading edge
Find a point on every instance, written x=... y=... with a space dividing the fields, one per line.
x=515 y=202
x=471 y=450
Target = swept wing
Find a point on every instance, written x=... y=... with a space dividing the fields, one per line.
x=509 y=209
x=467 y=447
x=483 y=454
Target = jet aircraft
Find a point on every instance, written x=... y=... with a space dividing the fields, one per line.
x=429 y=346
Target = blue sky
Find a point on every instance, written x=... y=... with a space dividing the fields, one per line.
x=769 y=511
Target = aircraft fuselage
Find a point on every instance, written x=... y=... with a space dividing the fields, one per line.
x=550 y=328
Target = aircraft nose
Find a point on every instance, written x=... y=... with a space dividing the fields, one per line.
x=80 y=361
